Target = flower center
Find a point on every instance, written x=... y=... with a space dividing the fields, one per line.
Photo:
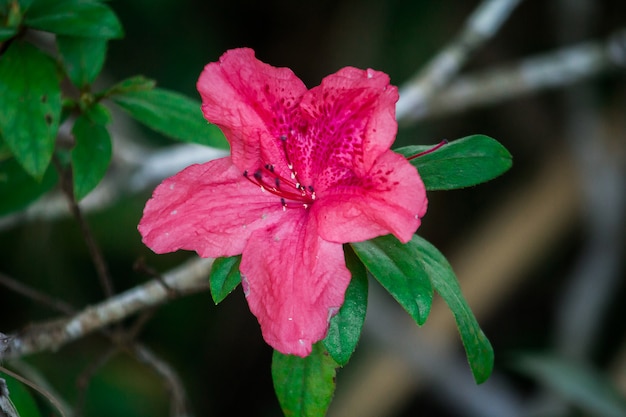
x=292 y=193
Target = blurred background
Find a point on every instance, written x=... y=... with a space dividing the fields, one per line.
x=539 y=251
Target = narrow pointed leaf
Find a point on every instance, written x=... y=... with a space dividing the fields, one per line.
x=461 y=163
x=224 y=277
x=18 y=189
x=92 y=153
x=398 y=269
x=129 y=85
x=479 y=351
x=85 y=18
x=30 y=99
x=172 y=114
x=579 y=384
x=304 y=386
x=345 y=327
x=82 y=58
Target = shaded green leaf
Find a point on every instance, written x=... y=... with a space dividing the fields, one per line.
x=304 y=386
x=578 y=383
x=224 y=277
x=345 y=327
x=20 y=397
x=462 y=163
x=6 y=33
x=129 y=85
x=30 y=99
x=82 y=58
x=18 y=189
x=477 y=346
x=84 y=18
x=172 y=114
x=398 y=268
x=92 y=153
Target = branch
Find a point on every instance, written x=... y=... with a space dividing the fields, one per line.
x=188 y=277
x=555 y=69
x=135 y=169
x=483 y=23
x=173 y=383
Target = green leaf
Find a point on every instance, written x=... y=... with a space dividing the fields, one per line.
x=398 y=268
x=20 y=396
x=82 y=58
x=18 y=189
x=172 y=114
x=224 y=277
x=30 y=99
x=345 y=327
x=461 y=163
x=92 y=153
x=477 y=346
x=6 y=33
x=84 y=18
x=129 y=85
x=304 y=386
x=579 y=384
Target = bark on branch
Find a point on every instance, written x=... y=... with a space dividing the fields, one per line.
x=188 y=277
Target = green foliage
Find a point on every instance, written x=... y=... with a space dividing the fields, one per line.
x=345 y=327
x=30 y=99
x=576 y=382
x=224 y=277
x=410 y=272
x=172 y=114
x=304 y=386
x=82 y=18
x=18 y=189
x=21 y=397
x=83 y=58
x=461 y=163
x=477 y=346
x=398 y=268
x=92 y=153
x=6 y=33
x=129 y=85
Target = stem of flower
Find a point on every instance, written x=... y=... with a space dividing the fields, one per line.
x=433 y=149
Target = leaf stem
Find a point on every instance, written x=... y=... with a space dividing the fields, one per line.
x=95 y=252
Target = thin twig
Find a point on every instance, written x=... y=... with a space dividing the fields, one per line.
x=57 y=405
x=173 y=383
x=482 y=24
x=83 y=380
x=32 y=374
x=40 y=297
x=97 y=257
x=551 y=70
x=186 y=278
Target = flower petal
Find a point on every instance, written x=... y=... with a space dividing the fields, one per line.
x=252 y=102
x=294 y=282
x=210 y=208
x=350 y=123
x=392 y=201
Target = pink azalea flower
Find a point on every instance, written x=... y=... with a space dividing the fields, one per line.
x=309 y=170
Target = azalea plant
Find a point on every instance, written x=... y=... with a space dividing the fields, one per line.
x=309 y=203
x=311 y=199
